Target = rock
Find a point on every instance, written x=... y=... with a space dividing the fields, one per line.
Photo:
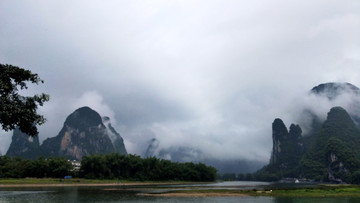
x=23 y=145
x=152 y=147
x=336 y=150
x=83 y=133
x=287 y=146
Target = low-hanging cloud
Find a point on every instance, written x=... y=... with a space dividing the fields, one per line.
x=95 y=101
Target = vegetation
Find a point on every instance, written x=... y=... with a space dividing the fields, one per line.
x=50 y=181
x=39 y=168
x=110 y=166
x=16 y=110
x=334 y=155
x=286 y=154
x=322 y=191
x=311 y=191
x=132 y=167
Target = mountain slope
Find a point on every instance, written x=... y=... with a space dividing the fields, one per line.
x=335 y=154
x=287 y=151
x=287 y=146
x=118 y=142
x=333 y=90
x=83 y=134
x=330 y=148
x=23 y=145
x=341 y=94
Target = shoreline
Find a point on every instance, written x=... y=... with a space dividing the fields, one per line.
x=59 y=185
x=151 y=189
x=75 y=184
x=195 y=194
x=13 y=183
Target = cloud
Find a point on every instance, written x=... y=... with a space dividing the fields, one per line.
x=95 y=101
x=208 y=74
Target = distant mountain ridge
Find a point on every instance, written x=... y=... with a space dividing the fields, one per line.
x=23 y=145
x=332 y=90
x=189 y=154
x=83 y=133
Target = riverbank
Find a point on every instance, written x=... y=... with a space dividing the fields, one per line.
x=191 y=189
x=51 y=182
x=316 y=191
x=329 y=190
x=198 y=194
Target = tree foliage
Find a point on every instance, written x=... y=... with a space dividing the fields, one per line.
x=15 y=109
x=39 y=168
x=133 y=167
x=334 y=154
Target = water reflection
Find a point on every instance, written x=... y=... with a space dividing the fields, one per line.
x=130 y=194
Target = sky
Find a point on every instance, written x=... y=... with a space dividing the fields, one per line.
x=209 y=74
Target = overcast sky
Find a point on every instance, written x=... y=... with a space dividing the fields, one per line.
x=207 y=74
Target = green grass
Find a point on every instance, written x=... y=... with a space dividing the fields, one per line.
x=321 y=191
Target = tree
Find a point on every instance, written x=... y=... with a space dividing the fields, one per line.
x=133 y=167
x=17 y=110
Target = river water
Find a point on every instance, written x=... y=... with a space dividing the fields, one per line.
x=131 y=194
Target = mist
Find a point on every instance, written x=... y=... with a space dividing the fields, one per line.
x=209 y=75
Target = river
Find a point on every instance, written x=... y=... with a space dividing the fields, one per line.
x=131 y=194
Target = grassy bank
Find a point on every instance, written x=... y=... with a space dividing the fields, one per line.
x=319 y=191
